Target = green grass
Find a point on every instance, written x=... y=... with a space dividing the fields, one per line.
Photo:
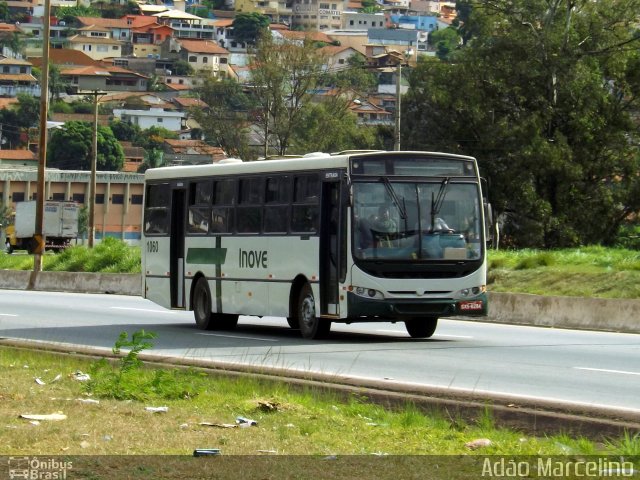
x=584 y=272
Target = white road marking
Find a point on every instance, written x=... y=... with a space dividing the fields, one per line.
x=7 y=315
x=144 y=310
x=243 y=337
x=622 y=372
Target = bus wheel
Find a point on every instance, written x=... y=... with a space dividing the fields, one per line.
x=202 y=304
x=421 y=327
x=310 y=325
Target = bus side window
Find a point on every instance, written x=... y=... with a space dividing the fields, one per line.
x=306 y=204
x=249 y=209
x=156 y=212
x=224 y=198
x=276 y=208
x=199 y=206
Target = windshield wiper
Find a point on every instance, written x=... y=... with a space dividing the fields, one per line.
x=436 y=203
x=391 y=191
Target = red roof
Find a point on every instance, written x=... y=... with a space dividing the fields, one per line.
x=104 y=22
x=65 y=56
x=8 y=27
x=202 y=46
x=17 y=155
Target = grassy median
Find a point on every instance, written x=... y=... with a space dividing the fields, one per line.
x=126 y=408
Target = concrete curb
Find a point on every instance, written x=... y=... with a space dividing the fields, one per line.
x=79 y=282
x=513 y=308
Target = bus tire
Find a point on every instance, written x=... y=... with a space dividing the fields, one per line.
x=311 y=326
x=202 y=305
x=421 y=327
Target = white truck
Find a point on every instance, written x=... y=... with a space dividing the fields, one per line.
x=60 y=226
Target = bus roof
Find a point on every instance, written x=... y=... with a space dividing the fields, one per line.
x=315 y=161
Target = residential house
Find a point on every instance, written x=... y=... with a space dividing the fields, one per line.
x=16 y=77
x=191 y=152
x=202 y=55
x=108 y=78
x=181 y=83
x=337 y=57
x=370 y=114
x=96 y=42
x=148 y=34
x=186 y=25
x=119 y=28
x=154 y=117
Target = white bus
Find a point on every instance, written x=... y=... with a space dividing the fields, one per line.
x=350 y=237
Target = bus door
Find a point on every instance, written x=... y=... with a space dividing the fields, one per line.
x=332 y=244
x=176 y=250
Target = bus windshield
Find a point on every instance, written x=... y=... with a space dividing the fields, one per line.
x=435 y=219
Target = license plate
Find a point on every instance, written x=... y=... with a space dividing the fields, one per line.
x=470 y=306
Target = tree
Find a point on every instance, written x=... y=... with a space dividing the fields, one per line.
x=445 y=41
x=57 y=83
x=542 y=93
x=17 y=119
x=283 y=76
x=4 y=11
x=70 y=148
x=70 y=14
x=356 y=76
x=182 y=67
x=124 y=131
x=12 y=41
x=248 y=27
x=153 y=158
x=331 y=127
x=153 y=137
x=225 y=121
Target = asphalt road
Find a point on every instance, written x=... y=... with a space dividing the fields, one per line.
x=598 y=369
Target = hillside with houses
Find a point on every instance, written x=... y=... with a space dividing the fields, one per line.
x=148 y=64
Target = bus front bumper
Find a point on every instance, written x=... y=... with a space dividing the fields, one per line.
x=362 y=308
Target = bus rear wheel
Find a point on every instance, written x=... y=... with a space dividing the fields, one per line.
x=202 y=306
x=421 y=327
x=311 y=326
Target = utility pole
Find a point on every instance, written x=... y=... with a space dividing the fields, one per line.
x=38 y=238
x=396 y=131
x=407 y=54
x=94 y=167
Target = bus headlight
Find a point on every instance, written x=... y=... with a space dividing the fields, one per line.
x=367 y=293
x=470 y=292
